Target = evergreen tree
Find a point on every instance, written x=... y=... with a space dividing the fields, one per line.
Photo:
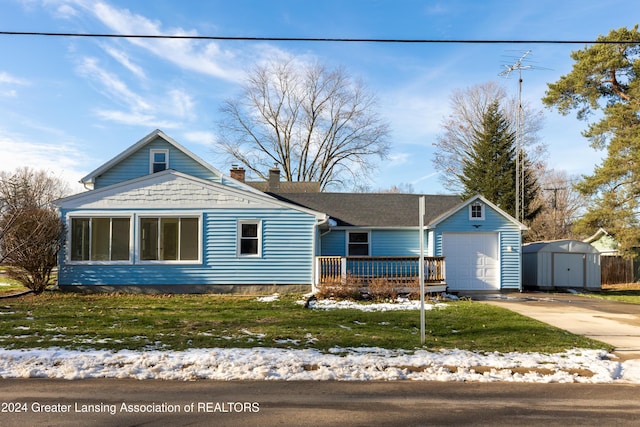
x=490 y=166
x=606 y=79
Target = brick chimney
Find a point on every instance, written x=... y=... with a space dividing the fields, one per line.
x=237 y=173
x=274 y=180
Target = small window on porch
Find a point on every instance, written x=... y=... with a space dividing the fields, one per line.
x=476 y=211
x=358 y=243
x=159 y=160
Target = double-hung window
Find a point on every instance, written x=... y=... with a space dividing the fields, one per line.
x=358 y=243
x=159 y=160
x=169 y=239
x=250 y=238
x=100 y=239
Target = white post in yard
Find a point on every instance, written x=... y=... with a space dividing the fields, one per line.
x=421 y=212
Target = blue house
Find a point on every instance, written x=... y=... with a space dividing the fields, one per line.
x=157 y=218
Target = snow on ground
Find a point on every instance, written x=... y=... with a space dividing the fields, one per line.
x=344 y=364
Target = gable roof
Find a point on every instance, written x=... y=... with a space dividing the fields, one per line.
x=373 y=209
x=445 y=215
x=89 y=179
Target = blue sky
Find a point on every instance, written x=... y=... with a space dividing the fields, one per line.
x=70 y=104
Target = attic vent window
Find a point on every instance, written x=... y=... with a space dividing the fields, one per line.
x=159 y=160
x=476 y=211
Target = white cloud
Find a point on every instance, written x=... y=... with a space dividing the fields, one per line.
x=182 y=104
x=200 y=137
x=135 y=119
x=111 y=85
x=8 y=79
x=61 y=159
x=125 y=61
x=202 y=56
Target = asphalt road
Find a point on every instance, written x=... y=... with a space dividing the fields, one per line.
x=111 y=402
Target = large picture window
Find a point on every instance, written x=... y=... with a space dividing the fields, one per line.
x=169 y=239
x=100 y=239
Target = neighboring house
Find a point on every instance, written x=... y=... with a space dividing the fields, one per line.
x=158 y=218
x=603 y=242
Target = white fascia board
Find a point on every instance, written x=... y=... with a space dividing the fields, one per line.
x=466 y=203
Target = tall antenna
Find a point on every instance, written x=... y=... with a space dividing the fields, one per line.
x=518 y=66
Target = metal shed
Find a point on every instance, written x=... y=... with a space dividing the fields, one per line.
x=560 y=264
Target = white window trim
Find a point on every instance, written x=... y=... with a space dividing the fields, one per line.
x=241 y=222
x=152 y=152
x=367 y=232
x=159 y=215
x=76 y=215
x=482 y=211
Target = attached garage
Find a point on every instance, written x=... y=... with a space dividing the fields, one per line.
x=560 y=264
x=472 y=261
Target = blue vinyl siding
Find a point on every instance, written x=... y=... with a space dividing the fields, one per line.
x=137 y=165
x=333 y=243
x=287 y=255
x=383 y=242
x=509 y=234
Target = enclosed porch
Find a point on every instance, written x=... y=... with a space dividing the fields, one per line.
x=402 y=272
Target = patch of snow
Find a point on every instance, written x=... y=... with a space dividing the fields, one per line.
x=270 y=298
x=343 y=364
x=401 y=304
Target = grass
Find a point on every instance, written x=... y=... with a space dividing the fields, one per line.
x=179 y=322
x=626 y=292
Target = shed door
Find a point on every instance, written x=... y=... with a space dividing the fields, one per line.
x=568 y=270
x=472 y=261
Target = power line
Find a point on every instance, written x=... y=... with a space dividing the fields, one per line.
x=309 y=39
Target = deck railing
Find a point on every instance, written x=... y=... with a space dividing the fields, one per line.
x=335 y=269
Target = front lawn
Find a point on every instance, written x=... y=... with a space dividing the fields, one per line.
x=178 y=322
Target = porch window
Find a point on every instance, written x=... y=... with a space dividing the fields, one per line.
x=358 y=243
x=159 y=160
x=249 y=238
x=100 y=239
x=169 y=239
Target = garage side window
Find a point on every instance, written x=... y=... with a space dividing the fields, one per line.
x=100 y=239
x=476 y=211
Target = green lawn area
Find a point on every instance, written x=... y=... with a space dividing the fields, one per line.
x=628 y=292
x=178 y=322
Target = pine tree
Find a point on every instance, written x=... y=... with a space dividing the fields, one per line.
x=490 y=165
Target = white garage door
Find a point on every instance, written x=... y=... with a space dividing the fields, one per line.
x=472 y=261
x=568 y=270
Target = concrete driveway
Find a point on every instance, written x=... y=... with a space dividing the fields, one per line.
x=614 y=323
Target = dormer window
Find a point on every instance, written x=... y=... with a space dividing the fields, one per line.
x=476 y=211
x=159 y=160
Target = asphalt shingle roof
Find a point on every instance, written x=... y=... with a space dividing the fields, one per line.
x=373 y=209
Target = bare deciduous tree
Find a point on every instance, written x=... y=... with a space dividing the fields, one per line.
x=561 y=206
x=314 y=123
x=469 y=107
x=30 y=229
